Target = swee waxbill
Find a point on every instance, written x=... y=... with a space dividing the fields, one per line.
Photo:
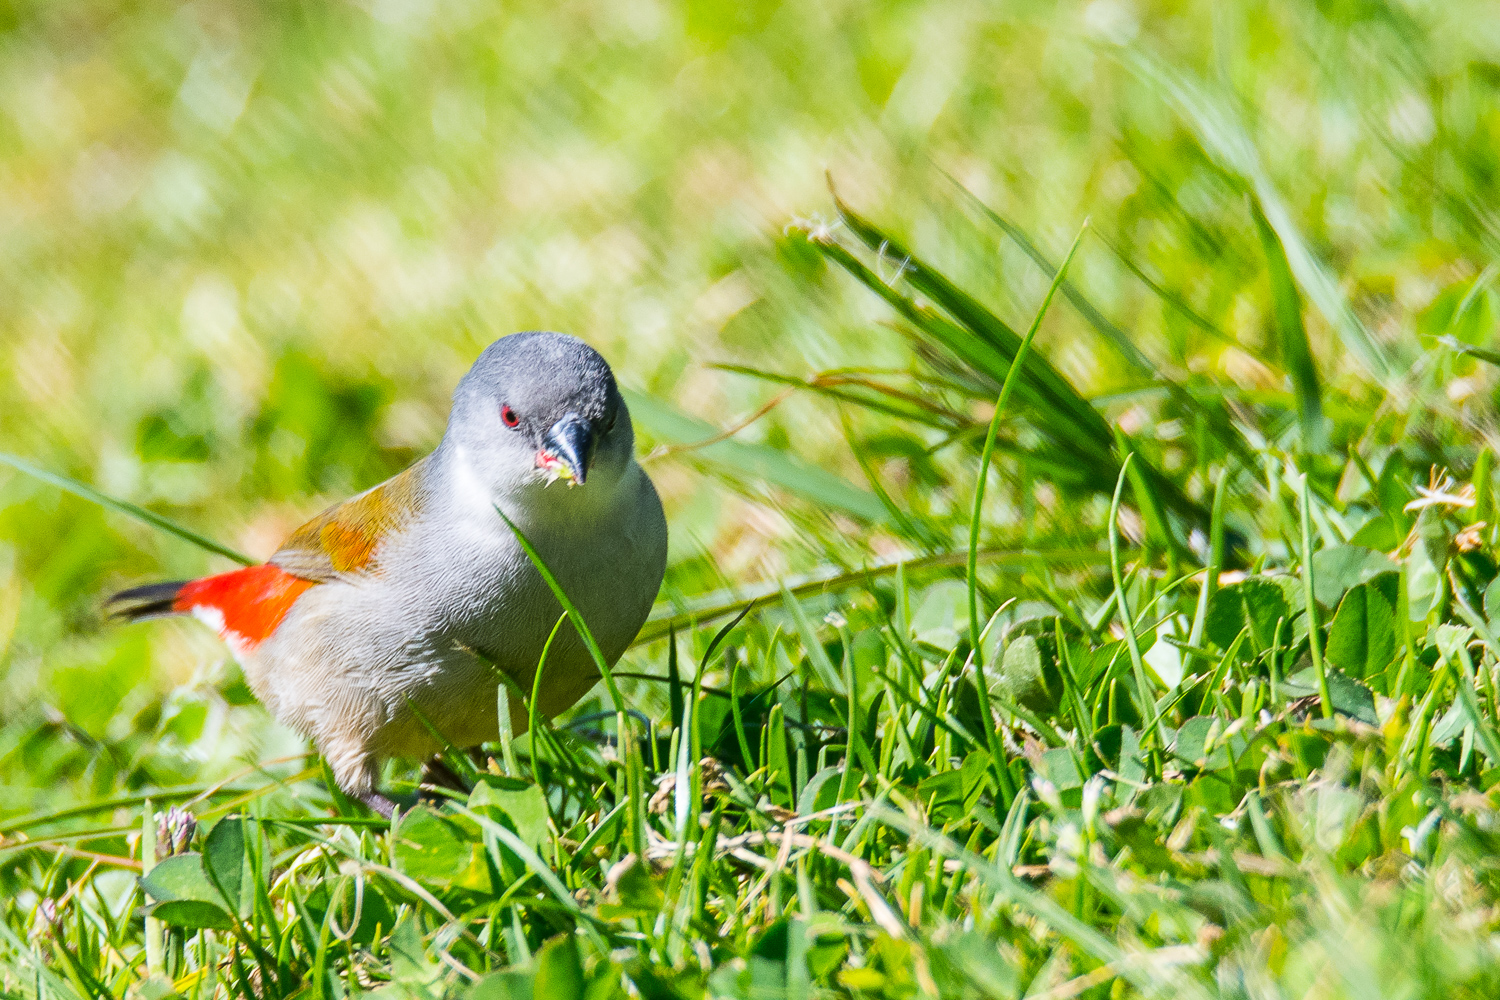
x=397 y=596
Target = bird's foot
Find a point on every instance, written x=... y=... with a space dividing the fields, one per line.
x=378 y=803
x=438 y=776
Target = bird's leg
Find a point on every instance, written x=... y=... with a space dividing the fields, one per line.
x=378 y=803
x=438 y=774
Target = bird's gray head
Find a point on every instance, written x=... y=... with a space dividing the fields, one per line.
x=537 y=407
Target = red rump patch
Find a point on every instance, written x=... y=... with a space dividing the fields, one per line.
x=251 y=601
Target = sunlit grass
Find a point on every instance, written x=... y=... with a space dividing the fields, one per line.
x=1229 y=730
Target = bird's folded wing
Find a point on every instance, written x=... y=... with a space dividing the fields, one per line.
x=345 y=540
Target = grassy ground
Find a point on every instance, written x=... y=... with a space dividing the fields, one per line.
x=1230 y=582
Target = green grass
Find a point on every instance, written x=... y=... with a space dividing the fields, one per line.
x=1158 y=655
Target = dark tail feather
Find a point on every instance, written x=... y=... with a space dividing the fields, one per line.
x=154 y=600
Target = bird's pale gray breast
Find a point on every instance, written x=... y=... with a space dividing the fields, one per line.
x=610 y=566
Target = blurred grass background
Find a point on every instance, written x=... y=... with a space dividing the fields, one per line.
x=246 y=250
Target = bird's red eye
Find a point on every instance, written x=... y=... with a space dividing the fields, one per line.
x=509 y=416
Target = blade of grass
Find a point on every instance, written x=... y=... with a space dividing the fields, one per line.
x=1482 y=723
x=1001 y=881
x=916 y=530
x=622 y=726
x=816 y=655
x=155 y=962
x=714 y=606
x=857 y=748
x=739 y=460
x=584 y=632
x=125 y=507
x=992 y=737
x=1149 y=501
x=1082 y=717
x=879 y=396
x=1068 y=421
x=1215 y=566
x=507 y=731
x=983 y=339
x=985 y=457
x=1117 y=337
x=739 y=720
x=533 y=707
x=157 y=795
x=39 y=972
x=674 y=677
x=1166 y=295
x=1313 y=639
x=1224 y=429
x=1145 y=701
x=1478 y=353
x=1291 y=335
x=723 y=633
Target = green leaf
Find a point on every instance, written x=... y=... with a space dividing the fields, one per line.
x=1212 y=794
x=1059 y=767
x=1393 y=491
x=192 y=914
x=1257 y=602
x=224 y=859
x=1145 y=846
x=365 y=914
x=441 y=851
x=1453 y=722
x=411 y=965
x=180 y=877
x=1362 y=638
x=180 y=885
x=1382 y=532
x=1191 y=740
x=1090 y=662
x=1340 y=567
x=1492 y=599
x=1107 y=744
x=1023 y=678
x=820 y=792
x=559 y=970
x=519 y=801
x=1348 y=695
x=640 y=888
x=1449 y=639
x=778 y=758
x=951 y=795
x=1426 y=566
x=510 y=984
x=825 y=954
x=772 y=943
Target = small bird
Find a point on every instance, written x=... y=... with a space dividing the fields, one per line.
x=389 y=613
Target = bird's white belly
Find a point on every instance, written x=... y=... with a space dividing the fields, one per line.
x=385 y=661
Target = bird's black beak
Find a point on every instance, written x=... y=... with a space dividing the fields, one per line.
x=571 y=441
